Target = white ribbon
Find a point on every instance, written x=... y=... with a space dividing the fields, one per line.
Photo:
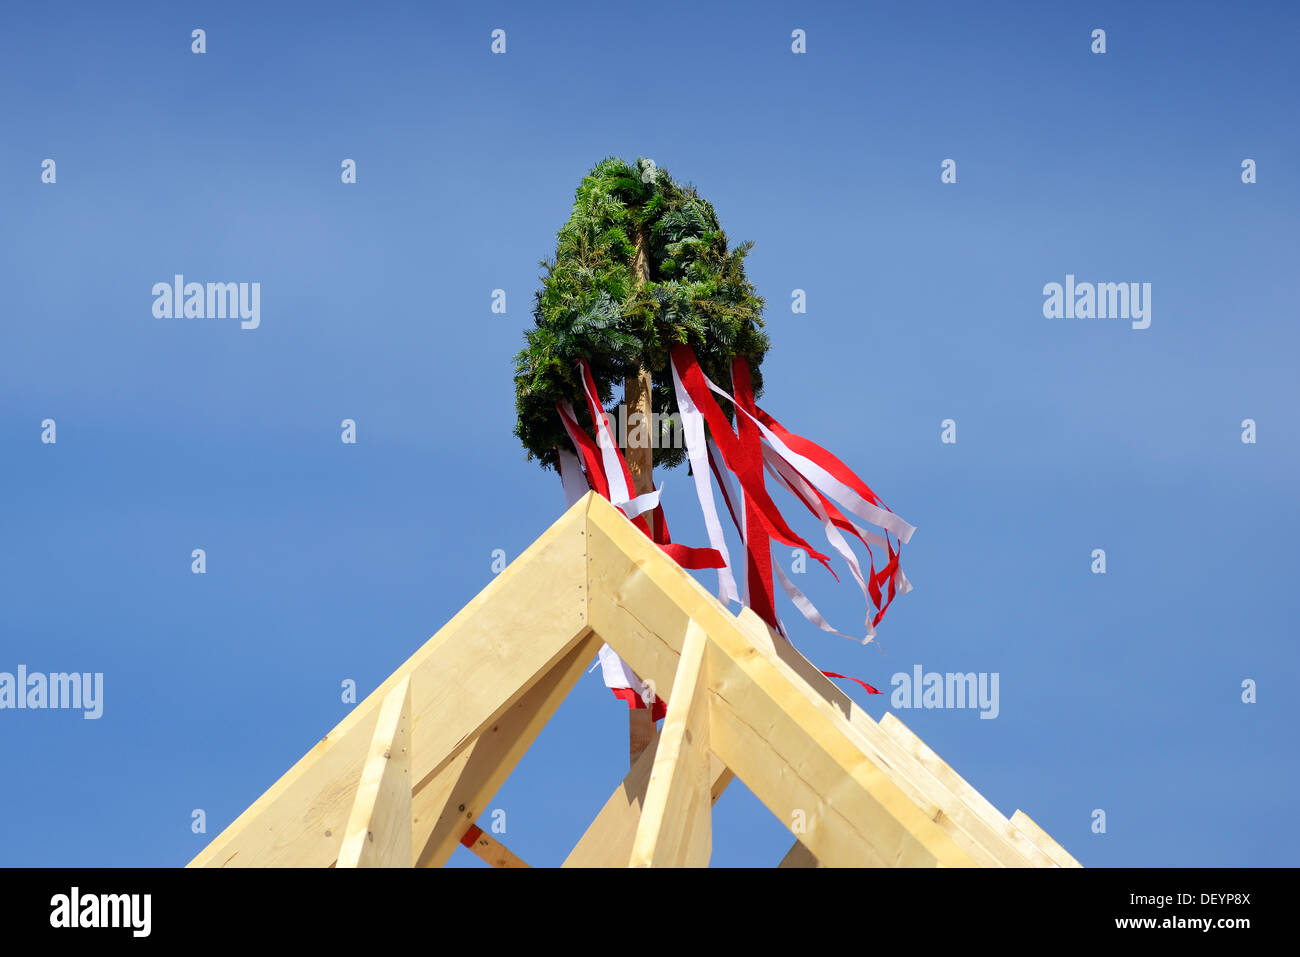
x=618 y=490
x=806 y=607
x=797 y=597
x=828 y=483
x=617 y=674
x=572 y=477
x=642 y=503
x=787 y=476
x=631 y=507
x=693 y=431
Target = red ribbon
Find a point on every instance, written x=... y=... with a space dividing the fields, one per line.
x=841 y=472
x=758 y=541
x=598 y=417
x=811 y=450
x=588 y=450
x=634 y=702
x=736 y=456
x=742 y=453
x=870 y=690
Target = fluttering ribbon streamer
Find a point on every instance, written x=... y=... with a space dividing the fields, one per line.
x=697 y=454
x=622 y=680
x=793 y=460
x=795 y=484
x=744 y=461
x=800 y=601
x=822 y=469
x=617 y=474
x=819 y=471
x=758 y=542
x=585 y=447
x=797 y=598
x=758 y=444
x=870 y=689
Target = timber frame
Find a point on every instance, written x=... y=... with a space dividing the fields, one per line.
x=401 y=780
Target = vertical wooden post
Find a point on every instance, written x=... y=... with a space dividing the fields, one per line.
x=638 y=396
x=638 y=403
x=675 y=829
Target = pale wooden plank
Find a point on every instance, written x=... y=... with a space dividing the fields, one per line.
x=642 y=605
x=979 y=838
x=448 y=806
x=809 y=771
x=927 y=758
x=607 y=841
x=635 y=588
x=630 y=588
x=1043 y=840
x=378 y=832
x=489 y=849
x=655 y=597
x=675 y=829
x=462 y=679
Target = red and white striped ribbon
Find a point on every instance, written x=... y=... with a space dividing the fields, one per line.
x=819 y=466
x=797 y=597
x=697 y=453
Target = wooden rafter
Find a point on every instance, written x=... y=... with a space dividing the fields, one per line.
x=971 y=799
x=807 y=751
x=742 y=701
x=462 y=679
x=1025 y=824
x=449 y=805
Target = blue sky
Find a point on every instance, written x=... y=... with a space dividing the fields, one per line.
x=1119 y=692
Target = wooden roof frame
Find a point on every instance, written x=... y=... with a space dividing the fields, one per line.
x=402 y=778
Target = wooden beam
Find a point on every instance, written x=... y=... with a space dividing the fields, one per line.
x=448 y=806
x=378 y=833
x=607 y=841
x=803 y=762
x=973 y=799
x=1043 y=840
x=795 y=750
x=489 y=849
x=623 y=574
x=462 y=679
x=964 y=824
x=653 y=601
x=479 y=691
x=675 y=829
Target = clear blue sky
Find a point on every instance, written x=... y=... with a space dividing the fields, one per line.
x=1119 y=692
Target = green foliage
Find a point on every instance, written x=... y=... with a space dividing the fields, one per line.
x=589 y=305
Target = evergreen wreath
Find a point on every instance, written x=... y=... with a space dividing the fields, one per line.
x=591 y=305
